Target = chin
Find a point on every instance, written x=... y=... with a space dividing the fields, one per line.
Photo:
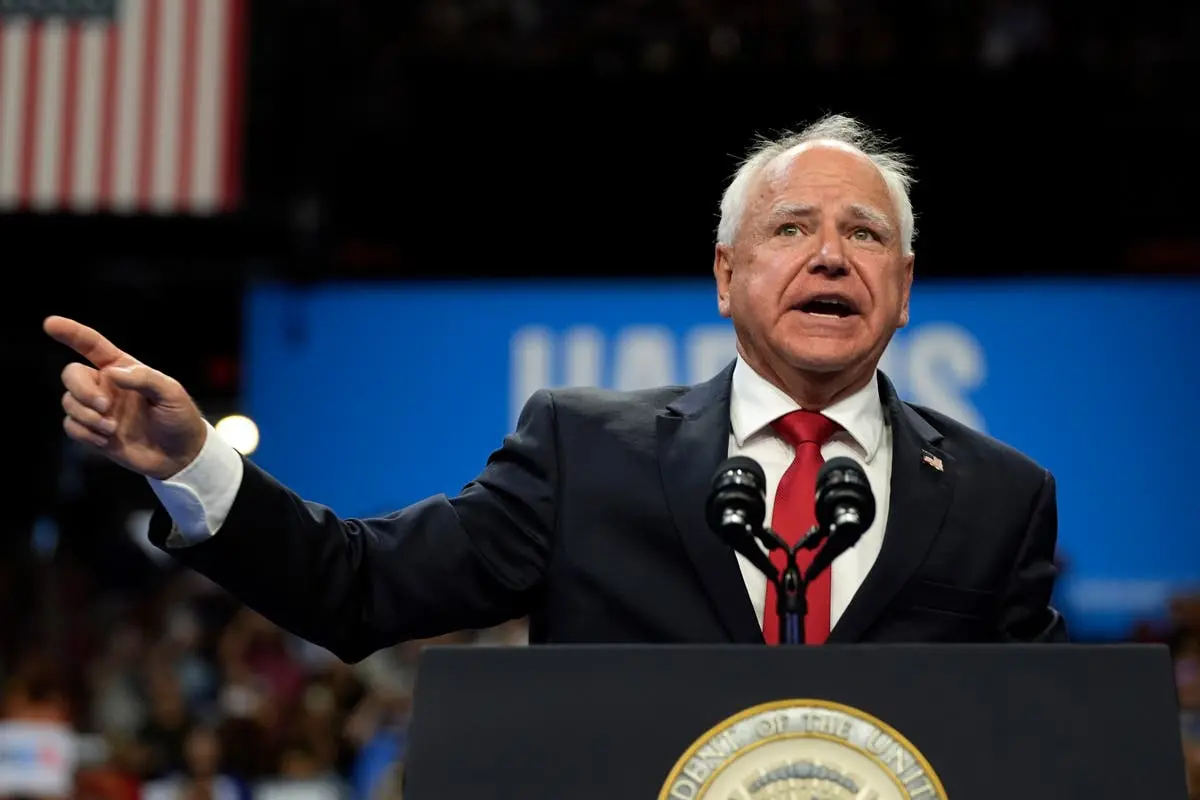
x=822 y=355
x=822 y=362
x=821 y=367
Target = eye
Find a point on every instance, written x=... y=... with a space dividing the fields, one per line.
x=788 y=229
x=865 y=235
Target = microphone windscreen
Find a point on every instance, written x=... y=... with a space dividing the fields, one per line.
x=745 y=464
x=842 y=482
x=838 y=464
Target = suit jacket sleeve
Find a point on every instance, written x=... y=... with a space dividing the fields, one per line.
x=1027 y=615
x=356 y=585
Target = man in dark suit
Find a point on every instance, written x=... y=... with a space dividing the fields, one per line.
x=590 y=518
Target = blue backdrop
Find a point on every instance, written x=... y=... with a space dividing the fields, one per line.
x=370 y=397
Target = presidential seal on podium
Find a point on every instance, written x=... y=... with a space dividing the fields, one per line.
x=802 y=749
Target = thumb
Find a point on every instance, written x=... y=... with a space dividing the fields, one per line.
x=149 y=383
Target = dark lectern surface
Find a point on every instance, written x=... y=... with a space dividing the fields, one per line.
x=584 y=722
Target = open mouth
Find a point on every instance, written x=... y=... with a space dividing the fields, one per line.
x=833 y=306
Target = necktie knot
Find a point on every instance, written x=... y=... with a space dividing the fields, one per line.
x=802 y=427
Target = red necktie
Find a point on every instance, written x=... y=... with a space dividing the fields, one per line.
x=793 y=515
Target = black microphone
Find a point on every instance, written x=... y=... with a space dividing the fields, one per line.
x=737 y=506
x=845 y=507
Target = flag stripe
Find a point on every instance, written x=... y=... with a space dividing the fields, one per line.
x=89 y=137
x=48 y=130
x=209 y=102
x=187 y=112
x=235 y=75
x=3 y=38
x=140 y=112
x=129 y=110
x=148 y=144
x=70 y=107
x=12 y=82
x=167 y=107
x=106 y=144
x=28 y=143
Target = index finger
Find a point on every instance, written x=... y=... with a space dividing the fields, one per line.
x=83 y=340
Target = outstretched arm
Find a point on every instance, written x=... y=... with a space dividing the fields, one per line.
x=356 y=585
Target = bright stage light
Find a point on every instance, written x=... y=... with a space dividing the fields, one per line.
x=240 y=432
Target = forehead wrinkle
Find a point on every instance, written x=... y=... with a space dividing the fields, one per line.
x=776 y=170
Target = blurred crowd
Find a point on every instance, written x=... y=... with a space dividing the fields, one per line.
x=661 y=35
x=179 y=693
x=182 y=694
x=1182 y=634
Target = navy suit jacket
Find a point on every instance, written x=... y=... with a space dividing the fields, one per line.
x=590 y=521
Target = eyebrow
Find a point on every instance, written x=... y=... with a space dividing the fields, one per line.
x=858 y=211
x=871 y=215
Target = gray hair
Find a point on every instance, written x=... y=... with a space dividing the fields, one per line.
x=766 y=153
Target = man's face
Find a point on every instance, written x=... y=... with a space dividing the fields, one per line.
x=816 y=280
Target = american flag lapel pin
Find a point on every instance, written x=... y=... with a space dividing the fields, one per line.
x=933 y=461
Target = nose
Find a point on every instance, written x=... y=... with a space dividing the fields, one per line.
x=830 y=260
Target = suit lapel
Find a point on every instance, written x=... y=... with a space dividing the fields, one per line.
x=693 y=440
x=922 y=485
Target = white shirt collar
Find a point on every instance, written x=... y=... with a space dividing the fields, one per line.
x=755 y=403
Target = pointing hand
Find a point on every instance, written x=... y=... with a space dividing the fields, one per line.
x=137 y=416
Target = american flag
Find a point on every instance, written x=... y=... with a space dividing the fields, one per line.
x=122 y=106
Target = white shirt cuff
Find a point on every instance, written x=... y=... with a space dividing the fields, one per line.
x=198 y=497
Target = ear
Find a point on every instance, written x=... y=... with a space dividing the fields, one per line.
x=723 y=272
x=906 y=288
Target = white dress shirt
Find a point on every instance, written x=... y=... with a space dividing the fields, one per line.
x=199 y=497
x=865 y=437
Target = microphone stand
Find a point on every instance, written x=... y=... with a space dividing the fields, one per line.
x=791 y=601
